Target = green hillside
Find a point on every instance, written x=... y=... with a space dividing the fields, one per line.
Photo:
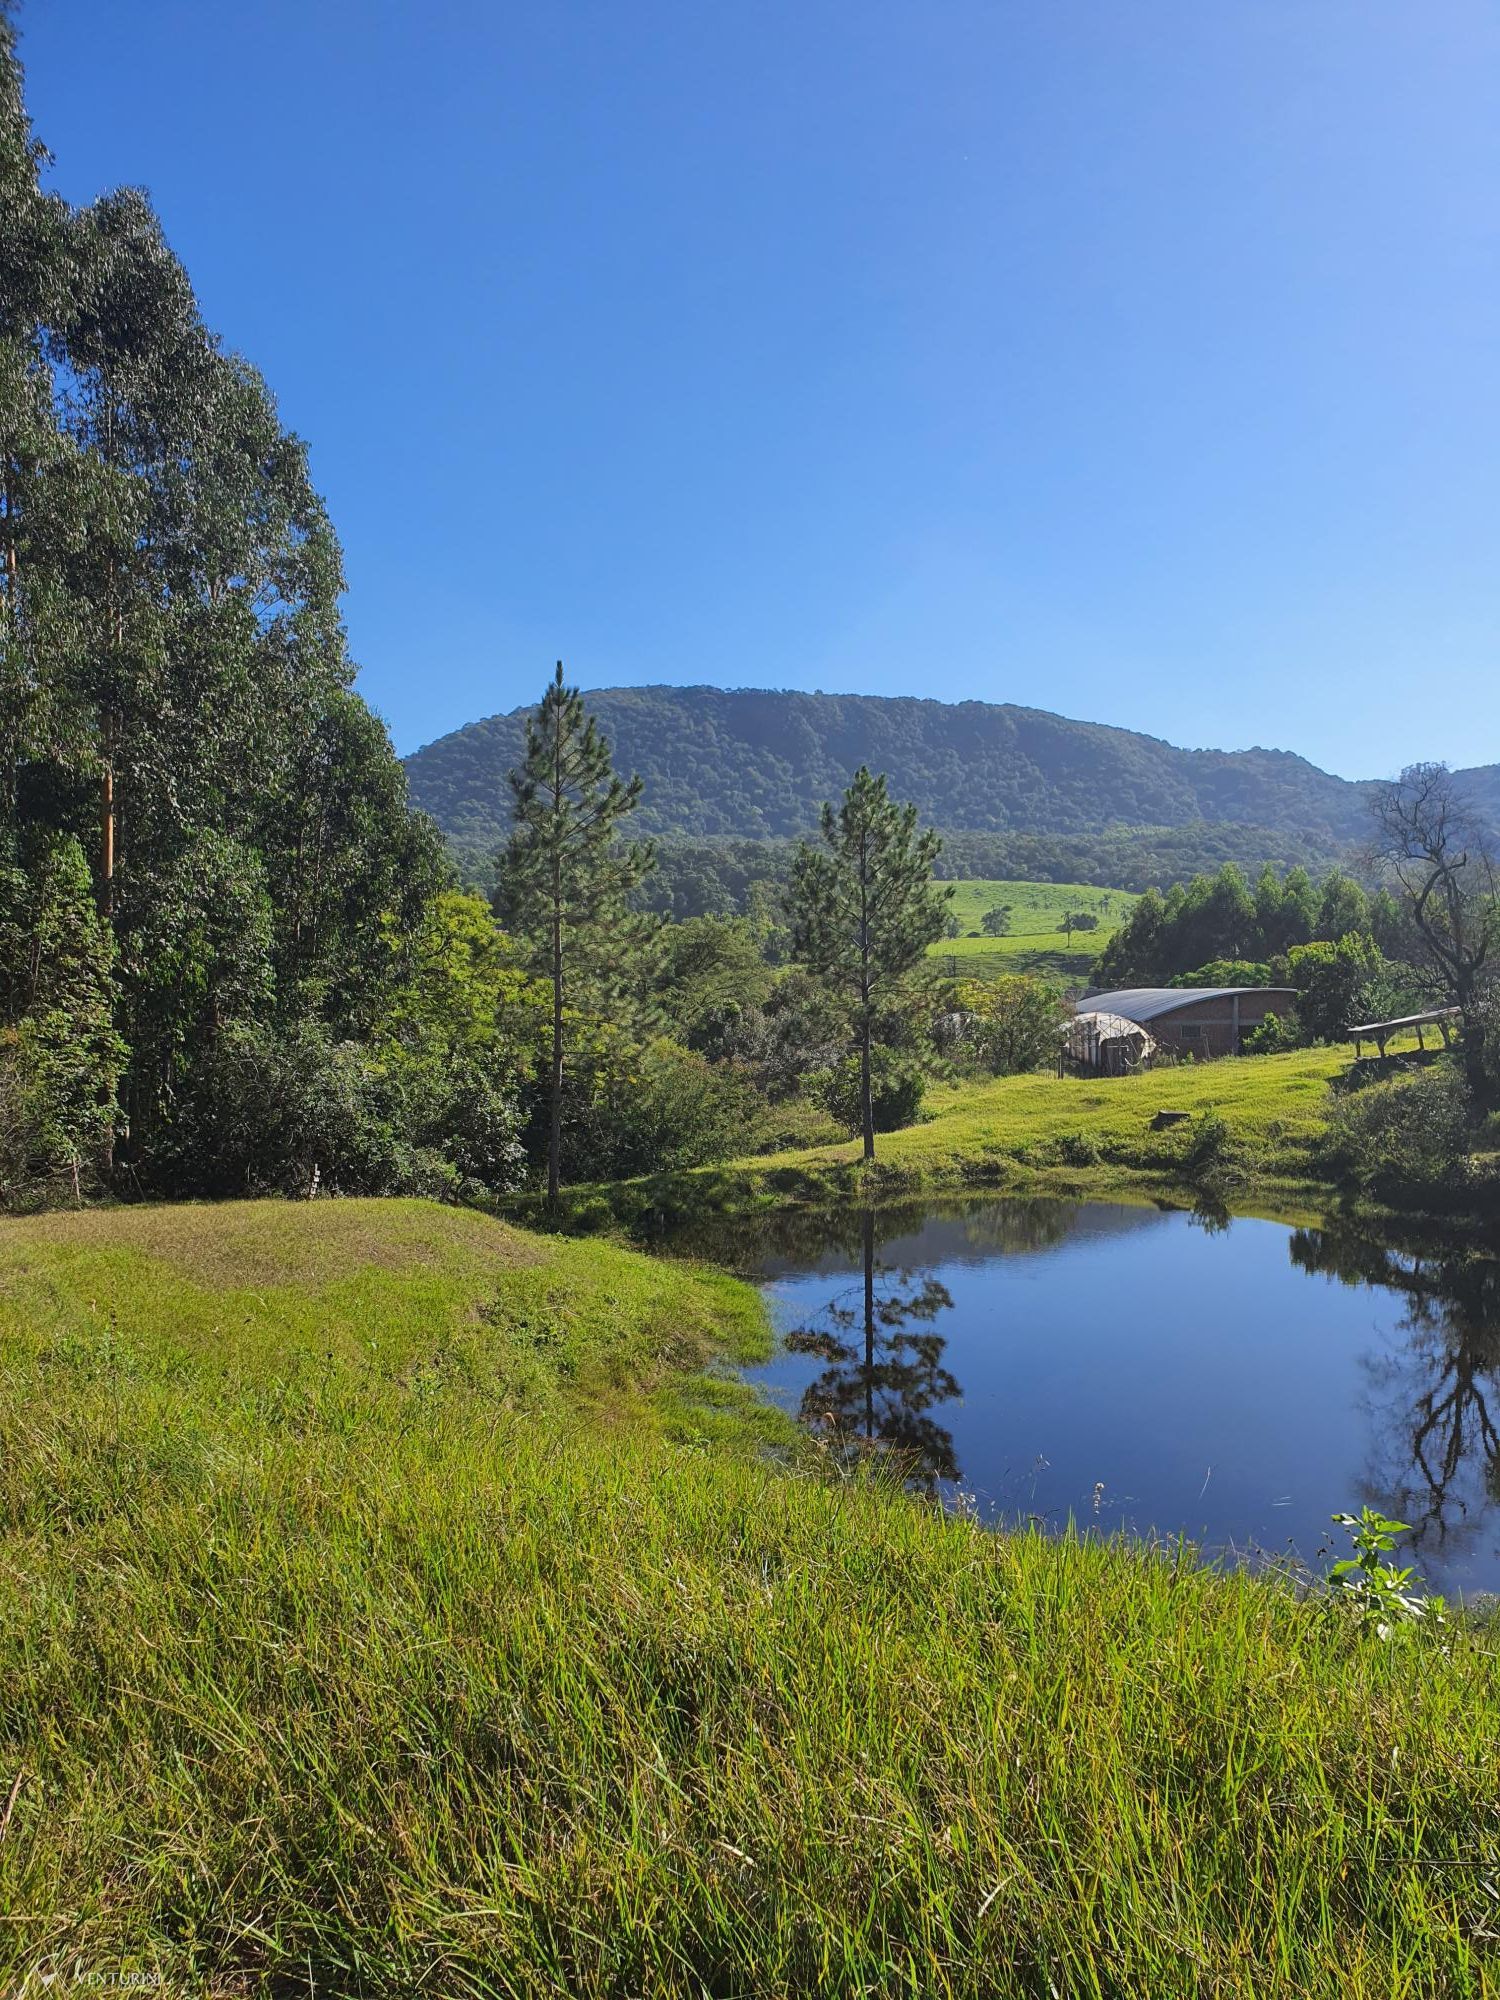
x=1035 y=942
x=757 y=764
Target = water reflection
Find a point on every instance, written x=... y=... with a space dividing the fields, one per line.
x=1147 y=1368
x=1435 y=1458
x=884 y=1368
x=769 y=1241
x=885 y=1361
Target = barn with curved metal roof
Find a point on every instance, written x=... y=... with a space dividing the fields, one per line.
x=1195 y=1020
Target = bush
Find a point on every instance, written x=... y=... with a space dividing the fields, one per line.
x=896 y=1089
x=1078 y=1149
x=1412 y=1132
x=31 y=1170
x=289 y=1111
x=649 y=1110
x=1213 y=1153
x=1274 y=1037
x=1330 y=979
x=1011 y=1024
x=791 y=1126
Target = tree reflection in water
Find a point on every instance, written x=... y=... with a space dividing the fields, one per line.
x=885 y=1369
x=1440 y=1396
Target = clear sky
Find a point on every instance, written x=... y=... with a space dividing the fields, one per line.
x=1132 y=358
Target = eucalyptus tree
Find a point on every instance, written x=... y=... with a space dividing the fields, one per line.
x=175 y=688
x=37 y=521
x=565 y=878
x=865 y=908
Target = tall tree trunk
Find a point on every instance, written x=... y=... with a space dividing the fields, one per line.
x=554 y=1135
x=107 y=835
x=866 y=1094
x=866 y=1099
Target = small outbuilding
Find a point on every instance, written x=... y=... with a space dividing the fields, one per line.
x=1101 y=1044
x=1201 y=1021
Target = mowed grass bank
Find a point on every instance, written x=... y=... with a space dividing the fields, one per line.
x=345 y=1650
x=1042 y=1133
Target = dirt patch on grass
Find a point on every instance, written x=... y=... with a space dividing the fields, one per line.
x=224 y=1246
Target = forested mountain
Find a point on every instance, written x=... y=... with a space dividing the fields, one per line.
x=758 y=764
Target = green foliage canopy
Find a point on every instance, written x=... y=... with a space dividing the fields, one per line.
x=865 y=908
x=565 y=882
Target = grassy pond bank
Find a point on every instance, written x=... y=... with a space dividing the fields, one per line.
x=394 y=1602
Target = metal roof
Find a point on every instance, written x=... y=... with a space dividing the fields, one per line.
x=1104 y=1026
x=1434 y=1015
x=1149 y=1003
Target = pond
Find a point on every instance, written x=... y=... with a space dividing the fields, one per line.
x=1233 y=1381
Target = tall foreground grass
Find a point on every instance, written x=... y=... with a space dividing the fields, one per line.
x=412 y=1651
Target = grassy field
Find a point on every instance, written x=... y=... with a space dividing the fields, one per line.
x=378 y=1620
x=1034 y=944
x=1076 y=1136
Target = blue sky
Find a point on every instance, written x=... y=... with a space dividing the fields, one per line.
x=1132 y=358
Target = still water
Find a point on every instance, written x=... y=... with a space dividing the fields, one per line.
x=1234 y=1381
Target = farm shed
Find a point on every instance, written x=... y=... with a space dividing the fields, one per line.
x=1199 y=1021
x=1100 y=1044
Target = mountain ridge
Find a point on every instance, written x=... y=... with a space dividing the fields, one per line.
x=757 y=763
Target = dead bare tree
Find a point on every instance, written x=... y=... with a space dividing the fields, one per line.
x=1442 y=858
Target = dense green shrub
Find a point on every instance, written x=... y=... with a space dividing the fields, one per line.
x=1275 y=1036
x=630 y=1110
x=1409 y=1133
x=289 y=1111
x=1010 y=1024
x=791 y=1126
x=1213 y=1154
x=897 y=1085
x=1331 y=979
x=1078 y=1149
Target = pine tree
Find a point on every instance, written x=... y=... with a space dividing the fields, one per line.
x=564 y=880
x=57 y=1038
x=865 y=908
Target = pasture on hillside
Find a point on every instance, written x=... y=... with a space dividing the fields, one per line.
x=1036 y=941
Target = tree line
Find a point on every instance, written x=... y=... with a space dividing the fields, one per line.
x=1427 y=936
x=205 y=848
x=232 y=958
x=718 y=877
